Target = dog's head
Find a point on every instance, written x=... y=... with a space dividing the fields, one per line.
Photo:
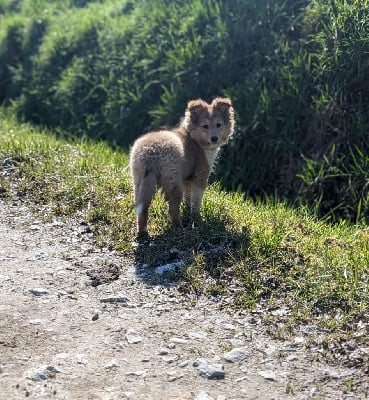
x=210 y=124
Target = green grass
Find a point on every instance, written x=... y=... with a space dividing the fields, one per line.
x=249 y=253
x=296 y=71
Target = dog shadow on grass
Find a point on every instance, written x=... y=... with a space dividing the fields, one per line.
x=197 y=257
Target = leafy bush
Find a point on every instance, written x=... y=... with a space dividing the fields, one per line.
x=335 y=175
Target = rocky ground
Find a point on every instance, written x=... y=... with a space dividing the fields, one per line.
x=78 y=322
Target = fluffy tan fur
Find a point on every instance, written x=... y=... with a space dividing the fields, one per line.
x=180 y=160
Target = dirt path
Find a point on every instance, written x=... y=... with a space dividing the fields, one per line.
x=63 y=338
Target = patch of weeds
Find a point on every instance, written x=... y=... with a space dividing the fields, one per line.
x=350 y=385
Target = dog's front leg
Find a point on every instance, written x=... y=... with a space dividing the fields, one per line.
x=197 y=194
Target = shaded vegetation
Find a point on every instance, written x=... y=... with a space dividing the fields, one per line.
x=295 y=69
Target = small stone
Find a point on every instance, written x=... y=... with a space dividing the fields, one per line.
x=203 y=396
x=81 y=359
x=210 y=371
x=129 y=394
x=229 y=327
x=133 y=337
x=197 y=335
x=236 y=342
x=38 y=291
x=178 y=340
x=141 y=373
x=4 y=278
x=45 y=372
x=174 y=376
x=95 y=317
x=170 y=359
x=114 y=299
x=112 y=364
x=38 y=256
x=331 y=373
x=268 y=375
x=298 y=340
x=57 y=223
x=35 y=321
x=236 y=355
x=163 y=352
x=168 y=267
x=184 y=364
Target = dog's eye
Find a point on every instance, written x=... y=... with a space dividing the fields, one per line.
x=219 y=125
x=205 y=126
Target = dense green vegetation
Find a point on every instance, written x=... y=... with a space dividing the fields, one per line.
x=250 y=253
x=296 y=71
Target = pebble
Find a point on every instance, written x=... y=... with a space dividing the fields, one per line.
x=184 y=364
x=210 y=371
x=129 y=394
x=163 y=352
x=133 y=337
x=174 y=376
x=81 y=359
x=197 y=335
x=112 y=364
x=330 y=373
x=203 y=396
x=170 y=359
x=57 y=223
x=35 y=321
x=268 y=375
x=229 y=327
x=4 y=278
x=38 y=291
x=45 y=372
x=236 y=342
x=39 y=256
x=236 y=355
x=114 y=299
x=142 y=373
x=168 y=267
x=178 y=340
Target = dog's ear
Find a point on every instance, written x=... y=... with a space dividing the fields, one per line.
x=222 y=104
x=194 y=108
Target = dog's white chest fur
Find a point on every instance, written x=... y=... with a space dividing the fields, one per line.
x=211 y=155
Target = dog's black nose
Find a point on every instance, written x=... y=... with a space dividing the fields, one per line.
x=214 y=139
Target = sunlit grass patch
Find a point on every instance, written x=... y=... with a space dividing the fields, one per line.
x=246 y=253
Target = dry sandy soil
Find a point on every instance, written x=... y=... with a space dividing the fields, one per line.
x=78 y=322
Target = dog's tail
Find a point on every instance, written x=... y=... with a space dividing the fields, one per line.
x=145 y=190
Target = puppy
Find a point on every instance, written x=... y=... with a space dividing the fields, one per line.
x=180 y=160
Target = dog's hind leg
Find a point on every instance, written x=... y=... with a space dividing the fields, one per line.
x=144 y=192
x=173 y=194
